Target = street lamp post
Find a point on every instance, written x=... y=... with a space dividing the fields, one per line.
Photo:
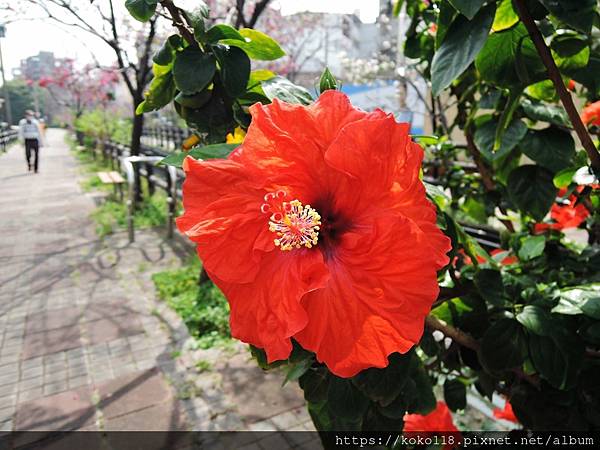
x=7 y=108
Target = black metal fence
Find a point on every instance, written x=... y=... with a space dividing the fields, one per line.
x=7 y=136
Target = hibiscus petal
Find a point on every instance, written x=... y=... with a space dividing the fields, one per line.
x=383 y=282
x=222 y=215
x=267 y=312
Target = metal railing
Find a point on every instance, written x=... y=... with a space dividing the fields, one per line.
x=7 y=136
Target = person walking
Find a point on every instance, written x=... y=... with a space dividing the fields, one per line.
x=31 y=134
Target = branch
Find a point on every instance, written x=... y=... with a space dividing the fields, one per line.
x=466 y=340
x=178 y=21
x=455 y=334
x=554 y=74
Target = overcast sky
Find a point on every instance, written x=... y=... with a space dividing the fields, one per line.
x=29 y=37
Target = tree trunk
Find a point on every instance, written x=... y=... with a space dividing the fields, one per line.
x=136 y=137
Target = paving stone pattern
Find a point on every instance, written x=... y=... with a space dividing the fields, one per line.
x=84 y=344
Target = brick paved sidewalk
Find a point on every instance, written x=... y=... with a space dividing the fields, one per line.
x=83 y=343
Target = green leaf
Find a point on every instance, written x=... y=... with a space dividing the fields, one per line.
x=283 y=89
x=557 y=359
x=531 y=189
x=384 y=385
x=564 y=177
x=455 y=394
x=164 y=56
x=222 y=31
x=468 y=7
x=346 y=401
x=531 y=247
x=213 y=151
x=161 y=90
x=570 y=51
x=235 y=69
x=576 y=14
x=193 y=70
x=588 y=76
x=424 y=401
x=460 y=46
x=195 y=100
x=553 y=114
x=490 y=286
x=551 y=147
x=315 y=384
x=257 y=45
x=503 y=346
x=543 y=90
x=485 y=138
x=295 y=371
x=141 y=10
x=505 y=17
x=327 y=81
x=509 y=59
x=580 y=300
x=444 y=20
x=537 y=320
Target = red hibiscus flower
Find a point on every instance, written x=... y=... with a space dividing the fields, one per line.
x=565 y=216
x=591 y=114
x=439 y=421
x=317 y=228
x=506 y=413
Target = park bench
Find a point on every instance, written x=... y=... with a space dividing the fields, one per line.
x=115 y=179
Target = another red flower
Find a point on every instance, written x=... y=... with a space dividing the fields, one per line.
x=591 y=114
x=571 y=85
x=507 y=413
x=439 y=421
x=317 y=228
x=565 y=216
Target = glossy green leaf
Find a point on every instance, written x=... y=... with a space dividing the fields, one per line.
x=545 y=112
x=580 y=300
x=576 y=14
x=509 y=59
x=295 y=371
x=141 y=10
x=537 y=320
x=557 y=360
x=160 y=92
x=235 y=69
x=384 y=385
x=485 y=137
x=257 y=45
x=455 y=394
x=315 y=383
x=222 y=31
x=283 y=89
x=193 y=70
x=460 y=46
x=206 y=152
x=468 y=7
x=531 y=189
x=551 y=147
x=195 y=100
x=505 y=17
x=346 y=401
x=503 y=346
x=490 y=286
x=563 y=178
x=531 y=247
x=543 y=90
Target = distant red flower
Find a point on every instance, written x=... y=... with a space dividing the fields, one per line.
x=439 y=421
x=507 y=413
x=565 y=216
x=317 y=228
x=591 y=114
x=571 y=85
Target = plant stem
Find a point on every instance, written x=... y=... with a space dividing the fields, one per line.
x=555 y=76
x=178 y=21
x=455 y=334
